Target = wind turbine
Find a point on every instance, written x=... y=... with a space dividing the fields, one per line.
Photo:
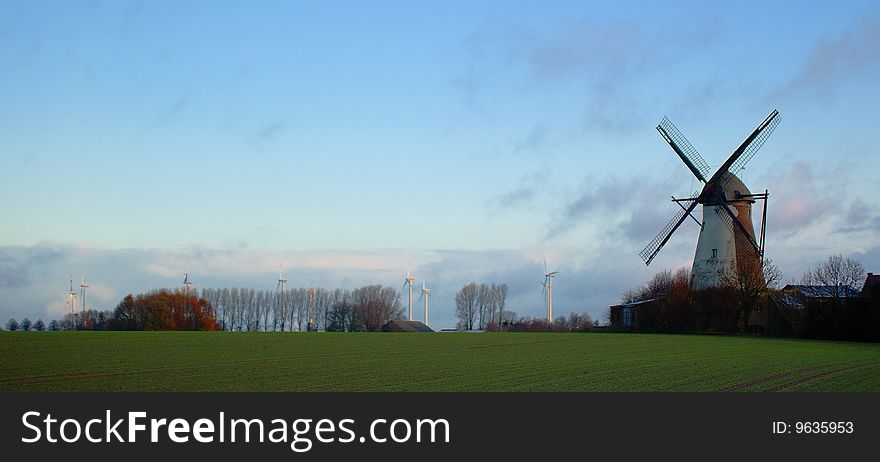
x=186 y=283
x=83 y=286
x=425 y=292
x=311 y=298
x=281 y=282
x=548 y=290
x=71 y=297
x=409 y=280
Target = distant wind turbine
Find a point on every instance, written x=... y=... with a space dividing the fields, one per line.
x=281 y=282
x=548 y=290
x=71 y=297
x=408 y=280
x=425 y=293
x=83 y=286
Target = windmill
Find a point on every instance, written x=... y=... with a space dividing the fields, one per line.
x=409 y=280
x=83 y=286
x=281 y=282
x=71 y=298
x=425 y=293
x=727 y=238
x=548 y=290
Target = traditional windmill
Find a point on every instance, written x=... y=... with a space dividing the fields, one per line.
x=727 y=241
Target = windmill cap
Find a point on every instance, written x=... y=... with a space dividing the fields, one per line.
x=733 y=187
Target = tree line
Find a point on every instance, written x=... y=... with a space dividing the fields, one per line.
x=365 y=309
x=753 y=302
x=483 y=307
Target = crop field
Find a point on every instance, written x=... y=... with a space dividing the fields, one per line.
x=227 y=361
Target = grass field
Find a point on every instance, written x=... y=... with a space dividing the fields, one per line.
x=223 y=361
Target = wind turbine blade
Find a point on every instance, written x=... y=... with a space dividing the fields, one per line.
x=684 y=149
x=653 y=247
x=748 y=148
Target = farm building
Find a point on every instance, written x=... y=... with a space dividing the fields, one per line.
x=625 y=316
x=400 y=325
x=871 y=285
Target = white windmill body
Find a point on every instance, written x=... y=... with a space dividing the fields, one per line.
x=717 y=254
x=727 y=244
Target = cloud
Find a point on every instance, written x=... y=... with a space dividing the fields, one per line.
x=598 y=64
x=617 y=204
x=522 y=195
x=113 y=273
x=270 y=131
x=834 y=62
x=515 y=198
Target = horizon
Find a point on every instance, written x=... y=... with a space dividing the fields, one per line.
x=468 y=141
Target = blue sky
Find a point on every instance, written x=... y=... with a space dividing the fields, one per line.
x=343 y=140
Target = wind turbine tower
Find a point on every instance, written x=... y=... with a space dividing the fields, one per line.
x=425 y=292
x=71 y=297
x=311 y=298
x=408 y=280
x=186 y=283
x=548 y=288
x=281 y=282
x=83 y=286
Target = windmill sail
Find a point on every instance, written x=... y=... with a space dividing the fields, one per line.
x=653 y=247
x=684 y=149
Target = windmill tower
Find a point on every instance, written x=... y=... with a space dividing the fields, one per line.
x=71 y=298
x=548 y=290
x=281 y=282
x=727 y=241
x=425 y=293
x=408 y=280
x=83 y=286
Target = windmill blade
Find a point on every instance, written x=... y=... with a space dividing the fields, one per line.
x=748 y=148
x=650 y=250
x=768 y=125
x=684 y=149
x=735 y=225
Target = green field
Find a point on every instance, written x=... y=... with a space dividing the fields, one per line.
x=225 y=361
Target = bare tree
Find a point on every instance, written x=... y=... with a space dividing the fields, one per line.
x=838 y=271
x=375 y=305
x=466 y=306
